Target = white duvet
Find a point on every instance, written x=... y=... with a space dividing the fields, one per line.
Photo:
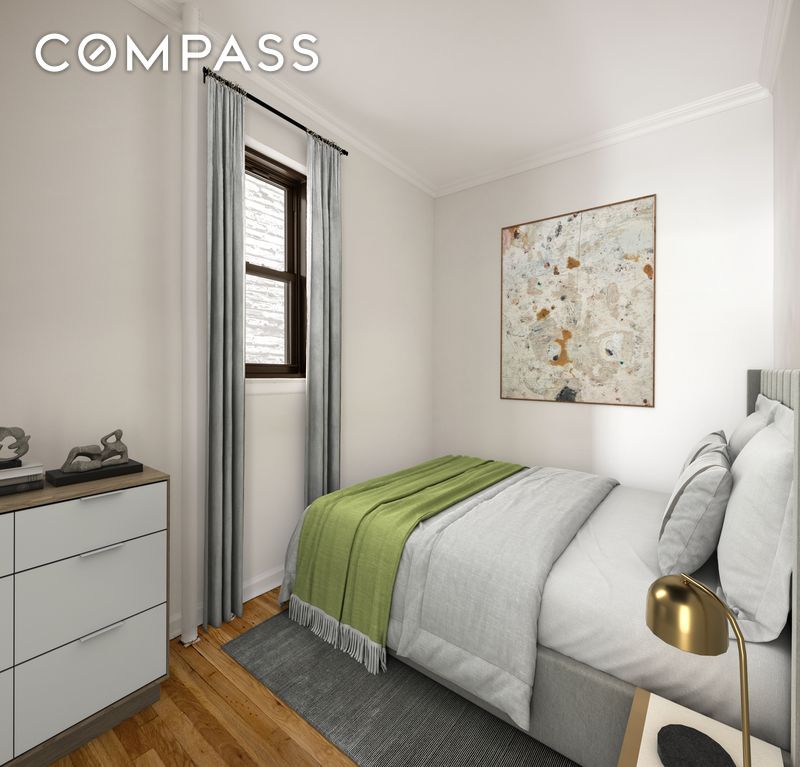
x=593 y=611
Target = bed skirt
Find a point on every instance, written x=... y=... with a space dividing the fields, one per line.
x=576 y=710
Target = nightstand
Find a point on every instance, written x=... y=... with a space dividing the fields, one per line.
x=650 y=712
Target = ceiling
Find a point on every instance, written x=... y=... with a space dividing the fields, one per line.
x=456 y=92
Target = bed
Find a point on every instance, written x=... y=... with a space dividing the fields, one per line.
x=592 y=647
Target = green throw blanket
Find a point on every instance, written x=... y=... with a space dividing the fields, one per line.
x=351 y=542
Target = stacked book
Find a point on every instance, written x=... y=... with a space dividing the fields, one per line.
x=28 y=476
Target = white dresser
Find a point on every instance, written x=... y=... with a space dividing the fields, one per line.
x=83 y=611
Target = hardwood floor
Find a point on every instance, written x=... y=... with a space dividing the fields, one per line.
x=211 y=713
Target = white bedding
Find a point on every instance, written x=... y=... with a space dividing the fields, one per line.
x=593 y=611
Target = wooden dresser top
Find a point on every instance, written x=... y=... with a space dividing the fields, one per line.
x=51 y=494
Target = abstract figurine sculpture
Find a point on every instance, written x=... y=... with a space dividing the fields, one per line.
x=113 y=452
x=91 y=457
x=18 y=447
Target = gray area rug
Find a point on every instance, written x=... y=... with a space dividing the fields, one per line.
x=396 y=719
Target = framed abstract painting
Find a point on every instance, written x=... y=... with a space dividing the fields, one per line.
x=578 y=306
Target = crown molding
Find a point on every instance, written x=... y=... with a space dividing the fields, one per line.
x=774 y=36
x=168 y=12
x=323 y=121
x=747 y=94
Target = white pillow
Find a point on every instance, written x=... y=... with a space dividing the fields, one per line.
x=783 y=418
x=695 y=512
x=755 y=553
x=715 y=441
x=754 y=423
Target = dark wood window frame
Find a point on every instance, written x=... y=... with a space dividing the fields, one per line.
x=294 y=183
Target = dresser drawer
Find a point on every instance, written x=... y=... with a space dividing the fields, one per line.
x=6 y=715
x=6 y=622
x=59 y=689
x=68 y=599
x=47 y=533
x=6 y=544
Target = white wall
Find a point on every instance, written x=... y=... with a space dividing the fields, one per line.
x=90 y=287
x=387 y=381
x=90 y=264
x=274 y=480
x=274 y=415
x=713 y=181
x=90 y=284
x=387 y=316
x=786 y=96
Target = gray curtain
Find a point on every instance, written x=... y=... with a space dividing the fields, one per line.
x=225 y=492
x=323 y=374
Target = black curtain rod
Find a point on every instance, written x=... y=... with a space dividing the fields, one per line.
x=208 y=73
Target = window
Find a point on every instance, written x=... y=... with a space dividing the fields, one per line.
x=275 y=286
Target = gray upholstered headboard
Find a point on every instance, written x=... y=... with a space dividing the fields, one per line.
x=784 y=385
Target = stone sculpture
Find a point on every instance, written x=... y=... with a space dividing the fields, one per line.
x=91 y=457
x=18 y=447
x=115 y=451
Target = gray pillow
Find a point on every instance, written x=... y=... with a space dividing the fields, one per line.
x=715 y=441
x=755 y=548
x=754 y=423
x=695 y=512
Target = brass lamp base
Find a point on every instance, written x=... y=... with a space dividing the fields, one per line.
x=681 y=746
x=686 y=614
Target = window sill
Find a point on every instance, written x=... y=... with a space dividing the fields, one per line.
x=254 y=387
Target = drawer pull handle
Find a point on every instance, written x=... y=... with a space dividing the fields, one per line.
x=100 y=551
x=101 y=631
x=86 y=498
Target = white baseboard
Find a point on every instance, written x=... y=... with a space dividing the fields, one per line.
x=262 y=583
x=251 y=588
x=175 y=622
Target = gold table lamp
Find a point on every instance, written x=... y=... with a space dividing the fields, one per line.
x=686 y=614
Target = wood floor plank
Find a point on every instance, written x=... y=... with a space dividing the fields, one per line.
x=239 y=625
x=249 y=708
x=196 y=746
x=265 y=742
x=212 y=730
x=213 y=713
x=93 y=754
x=145 y=715
x=255 y=612
x=83 y=757
x=315 y=743
x=130 y=735
x=269 y=596
x=149 y=759
x=168 y=748
x=220 y=635
x=256 y=750
x=115 y=750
